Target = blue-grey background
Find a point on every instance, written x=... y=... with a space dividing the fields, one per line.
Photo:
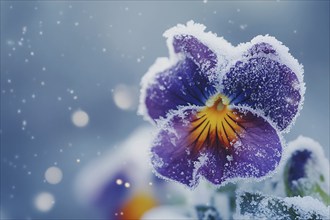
x=92 y=46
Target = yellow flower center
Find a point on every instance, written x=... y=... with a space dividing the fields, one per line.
x=215 y=125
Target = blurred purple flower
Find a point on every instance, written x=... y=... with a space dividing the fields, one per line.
x=120 y=184
x=220 y=109
x=306 y=171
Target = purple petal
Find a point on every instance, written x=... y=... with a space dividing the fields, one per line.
x=182 y=84
x=171 y=157
x=193 y=48
x=239 y=144
x=295 y=168
x=261 y=48
x=267 y=85
x=256 y=153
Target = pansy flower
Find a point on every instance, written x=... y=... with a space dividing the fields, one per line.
x=220 y=109
x=306 y=171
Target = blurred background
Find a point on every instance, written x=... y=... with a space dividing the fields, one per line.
x=70 y=73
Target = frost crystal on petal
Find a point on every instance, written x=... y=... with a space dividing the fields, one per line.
x=265 y=85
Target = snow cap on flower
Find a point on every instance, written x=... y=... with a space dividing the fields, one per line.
x=220 y=110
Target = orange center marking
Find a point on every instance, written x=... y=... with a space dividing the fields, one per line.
x=215 y=125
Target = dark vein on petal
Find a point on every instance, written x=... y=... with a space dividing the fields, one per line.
x=196 y=97
x=236 y=122
x=200 y=133
x=216 y=134
x=208 y=122
x=207 y=139
x=197 y=126
x=190 y=93
x=232 y=128
x=198 y=118
x=223 y=127
x=202 y=92
x=239 y=94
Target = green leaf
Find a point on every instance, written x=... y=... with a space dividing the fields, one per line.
x=256 y=205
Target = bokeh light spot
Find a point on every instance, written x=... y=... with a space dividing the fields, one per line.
x=125 y=97
x=53 y=175
x=80 y=118
x=44 y=201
